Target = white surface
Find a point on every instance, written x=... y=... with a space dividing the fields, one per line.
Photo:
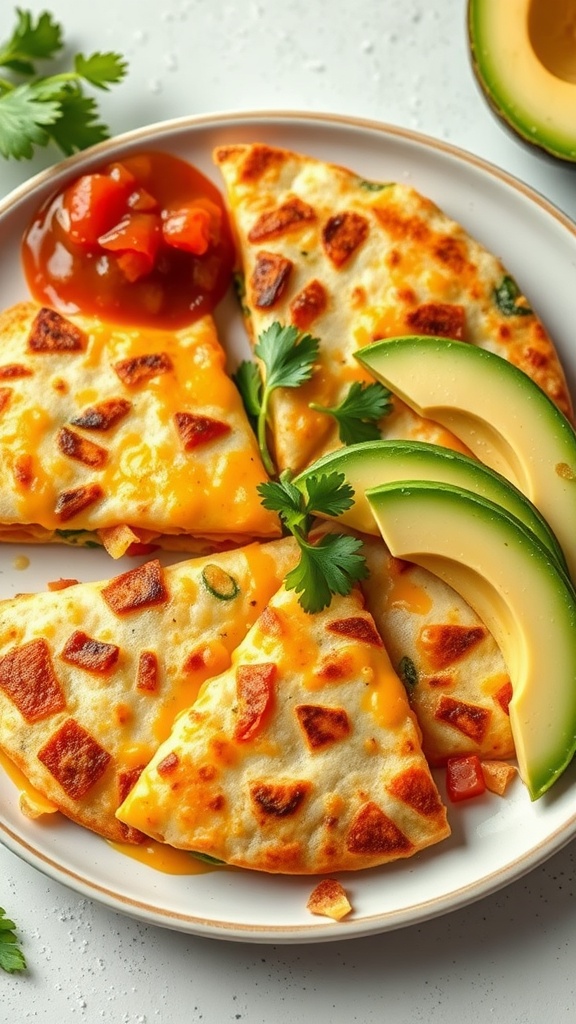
x=509 y=957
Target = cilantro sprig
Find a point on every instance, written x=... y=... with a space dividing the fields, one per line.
x=287 y=358
x=36 y=110
x=11 y=956
x=359 y=412
x=333 y=564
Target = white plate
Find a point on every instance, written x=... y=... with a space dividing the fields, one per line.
x=494 y=840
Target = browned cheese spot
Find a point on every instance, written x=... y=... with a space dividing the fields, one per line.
x=342 y=236
x=27 y=677
x=90 y=654
x=75 y=759
x=269 y=279
x=104 y=415
x=147 y=674
x=281 y=220
x=373 y=834
x=139 y=369
x=13 y=371
x=447 y=643
x=470 y=719
x=503 y=696
x=440 y=319
x=168 y=764
x=23 y=470
x=357 y=627
x=415 y=788
x=197 y=430
x=71 y=503
x=308 y=305
x=322 y=726
x=278 y=799
x=81 y=449
x=138 y=588
x=51 y=332
x=5 y=396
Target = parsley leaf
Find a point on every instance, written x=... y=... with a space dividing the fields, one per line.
x=359 y=412
x=287 y=357
x=332 y=565
x=11 y=956
x=51 y=108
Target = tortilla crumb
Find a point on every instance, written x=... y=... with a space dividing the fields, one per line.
x=329 y=899
x=498 y=775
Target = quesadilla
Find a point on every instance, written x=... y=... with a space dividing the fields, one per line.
x=93 y=675
x=123 y=436
x=302 y=758
x=352 y=261
x=455 y=676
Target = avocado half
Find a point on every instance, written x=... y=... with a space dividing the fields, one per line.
x=523 y=55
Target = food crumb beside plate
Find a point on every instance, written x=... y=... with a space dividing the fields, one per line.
x=329 y=899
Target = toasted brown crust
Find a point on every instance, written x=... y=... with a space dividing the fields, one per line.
x=51 y=332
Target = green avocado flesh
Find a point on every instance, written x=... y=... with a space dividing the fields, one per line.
x=499 y=413
x=524 y=59
x=508 y=577
x=372 y=463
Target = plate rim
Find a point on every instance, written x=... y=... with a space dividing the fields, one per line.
x=314 y=931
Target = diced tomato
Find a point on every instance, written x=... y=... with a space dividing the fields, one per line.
x=141 y=200
x=91 y=206
x=137 y=234
x=464 y=777
x=189 y=227
x=119 y=172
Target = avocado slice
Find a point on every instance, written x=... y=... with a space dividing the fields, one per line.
x=497 y=410
x=524 y=60
x=506 y=575
x=370 y=463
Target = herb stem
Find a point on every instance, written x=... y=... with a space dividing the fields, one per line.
x=262 y=431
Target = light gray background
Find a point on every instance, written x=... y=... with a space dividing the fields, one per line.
x=507 y=959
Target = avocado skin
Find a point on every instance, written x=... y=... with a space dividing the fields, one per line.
x=537 y=142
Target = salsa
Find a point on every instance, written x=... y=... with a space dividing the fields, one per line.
x=145 y=240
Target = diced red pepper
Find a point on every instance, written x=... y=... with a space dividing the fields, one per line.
x=93 y=205
x=137 y=235
x=464 y=777
x=190 y=227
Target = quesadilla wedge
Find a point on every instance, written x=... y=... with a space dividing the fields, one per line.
x=123 y=436
x=352 y=261
x=455 y=676
x=92 y=676
x=302 y=758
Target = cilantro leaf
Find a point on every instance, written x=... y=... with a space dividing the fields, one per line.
x=11 y=956
x=506 y=295
x=249 y=383
x=287 y=355
x=77 y=127
x=101 y=69
x=359 y=412
x=50 y=108
x=24 y=118
x=30 y=41
x=329 y=494
x=287 y=360
x=333 y=564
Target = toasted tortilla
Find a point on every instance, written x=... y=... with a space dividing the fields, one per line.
x=303 y=757
x=92 y=676
x=123 y=436
x=451 y=666
x=352 y=261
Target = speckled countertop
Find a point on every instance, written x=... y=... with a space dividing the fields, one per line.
x=508 y=958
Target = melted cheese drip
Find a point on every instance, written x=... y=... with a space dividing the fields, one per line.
x=32 y=802
x=164 y=858
x=386 y=699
